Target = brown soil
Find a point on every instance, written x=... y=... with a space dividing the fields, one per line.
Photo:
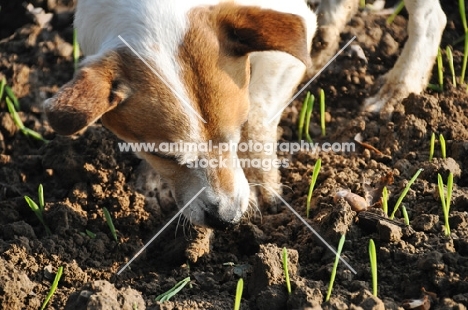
x=83 y=174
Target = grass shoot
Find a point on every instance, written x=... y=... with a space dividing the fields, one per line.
x=90 y=234
x=445 y=200
x=443 y=149
x=404 y=192
x=19 y=123
x=431 y=147
x=449 y=54
x=286 y=271
x=322 y=112
x=38 y=209
x=373 y=266
x=310 y=106
x=173 y=291
x=53 y=288
x=110 y=223
x=313 y=180
x=300 y=127
x=335 y=266
x=461 y=5
x=397 y=11
x=385 y=200
x=9 y=92
x=405 y=215
x=440 y=69
x=362 y=4
x=239 y=289
x=2 y=87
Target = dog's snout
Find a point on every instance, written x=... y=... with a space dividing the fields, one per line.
x=214 y=221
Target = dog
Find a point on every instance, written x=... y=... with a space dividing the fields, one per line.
x=217 y=72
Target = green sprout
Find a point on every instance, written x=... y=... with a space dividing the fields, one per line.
x=404 y=192
x=431 y=147
x=38 y=209
x=335 y=266
x=12 y=96
x=239 y=289
x=461 y=5
x=19 y=123
x=443 y=148
x=76 y=50
x=373 y=266
x=2 y=87
x=313 y=180
x=448 y=52
x=322 y=111
x=440 y=69
x=300 y=127
x=173 y=291
x=362 y=4
x=110 y=223
x=90 y=234
x=397 y=11
x=445 y=201
x=310 y=106
x=53 y=288
x=286 y=271
x=405 y=215
x=385 y=200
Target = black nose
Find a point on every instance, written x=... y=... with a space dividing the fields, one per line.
x=215 y=222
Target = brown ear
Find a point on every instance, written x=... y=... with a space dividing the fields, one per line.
x=245 y=29
x=93 y=91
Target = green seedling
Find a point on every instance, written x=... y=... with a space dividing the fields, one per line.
x=90 y=234
x=362 y=4
x=385 y=200
x=19 y=123
x=2 y=87
x=373 y=266
x=405 y=215
x=445 y=201
x=76 y=50
x=9 y=92
x=310 y=106
x=431 y=147
x=286 y=271
x=110 y=223
x=53 y=288
x=404 y=192
x=461 y=5
x=239 y=289
x=448 y=52
x=173 y=291
x=335 y=266
x=440 y=69
x=322 y=112
x=443 y=149
x=313 y=180
x=397 y=11
x=300 y=127
x=38 y=209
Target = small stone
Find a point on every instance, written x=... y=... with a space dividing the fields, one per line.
x=389 y=232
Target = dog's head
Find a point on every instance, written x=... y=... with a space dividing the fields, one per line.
x=198 y=94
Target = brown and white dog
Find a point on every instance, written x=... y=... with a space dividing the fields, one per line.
x=221 y=71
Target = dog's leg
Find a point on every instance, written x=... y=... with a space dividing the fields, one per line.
x=333 y=15
x=412 y=70
x=274 y=77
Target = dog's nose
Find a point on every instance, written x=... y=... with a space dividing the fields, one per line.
x=214 y=221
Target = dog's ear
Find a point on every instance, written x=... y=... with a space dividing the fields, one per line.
x=245 y=29
x=93 y=91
